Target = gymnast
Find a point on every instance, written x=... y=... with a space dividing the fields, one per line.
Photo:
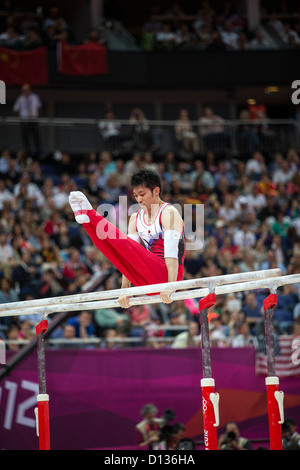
x=154 y=249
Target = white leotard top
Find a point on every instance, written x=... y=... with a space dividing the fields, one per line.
x=151 y=235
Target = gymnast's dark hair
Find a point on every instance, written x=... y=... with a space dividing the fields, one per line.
x=146 y=177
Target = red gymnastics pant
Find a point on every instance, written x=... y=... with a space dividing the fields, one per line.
x=133 y=260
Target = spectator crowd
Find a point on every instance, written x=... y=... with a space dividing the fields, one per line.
x=251 y=206
x=220 y=28
x=23 y=28
x=252 y=222
x=223 y=28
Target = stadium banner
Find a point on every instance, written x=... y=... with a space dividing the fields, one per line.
x=19 y=67
x=82 y=60
x=95 y=395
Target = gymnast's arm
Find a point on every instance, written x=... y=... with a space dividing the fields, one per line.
x=132 y=233
x=172 y=224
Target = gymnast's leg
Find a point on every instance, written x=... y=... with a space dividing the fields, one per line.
x=137 y=264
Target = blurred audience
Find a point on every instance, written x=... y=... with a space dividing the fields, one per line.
x=252 y=207
x=174 y=29
x=252 y=223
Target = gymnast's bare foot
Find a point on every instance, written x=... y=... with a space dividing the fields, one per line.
x=80 y=204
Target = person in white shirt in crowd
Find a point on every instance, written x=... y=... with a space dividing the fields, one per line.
x=198 y=22
x=165 y=39
x=243 y=237
x=259 y=41
x=110 y=130
x=244 y=339
x=184 y=38
x=6 y=250
x=228 y=210
x=289 y=32
x=229 y=36
x=189 y=338
x=255 y=166
x=284 y=173
x=275 y=23
x=28 y=107
x=11 y=38
x=5 y=194
x=213 y=130
x=217 y=331
x=256 y=199
x=32 y=190
x=186 y=137
x=211 y=123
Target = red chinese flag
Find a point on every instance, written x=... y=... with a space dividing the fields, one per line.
x=19 y=67
x=85 y=59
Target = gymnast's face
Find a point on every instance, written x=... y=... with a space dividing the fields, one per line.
x=145 y=197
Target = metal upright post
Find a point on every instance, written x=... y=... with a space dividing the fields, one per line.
x=42 y=411
x=274 y=396
x=210 y=399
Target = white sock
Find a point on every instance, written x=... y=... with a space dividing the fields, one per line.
x=79 y=203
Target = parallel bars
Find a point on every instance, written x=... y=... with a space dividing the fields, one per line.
x=131 y=291
x=205 y=289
